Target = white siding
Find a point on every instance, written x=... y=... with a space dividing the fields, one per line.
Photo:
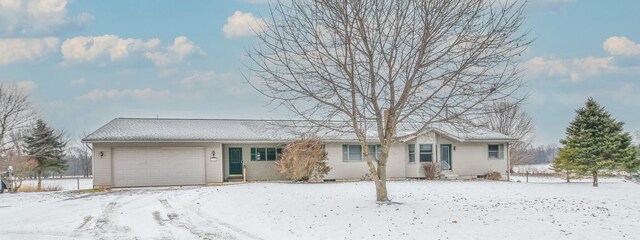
x=214 y=168
x=472 y=158
x=101 y=166
x=412 y=168
x=359 y=169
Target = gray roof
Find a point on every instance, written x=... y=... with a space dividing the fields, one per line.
x=162 y=129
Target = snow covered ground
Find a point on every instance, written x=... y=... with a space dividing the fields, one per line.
x=422 y=210
x=534 y=168
x=63 y=183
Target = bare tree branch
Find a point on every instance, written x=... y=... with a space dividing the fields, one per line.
x=16 y=112
x=510 y=119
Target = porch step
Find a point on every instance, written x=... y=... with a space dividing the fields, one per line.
x=235 y=178
x=450 y=176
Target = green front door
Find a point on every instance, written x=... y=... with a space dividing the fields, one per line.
x=235 y=161
x=445 y=157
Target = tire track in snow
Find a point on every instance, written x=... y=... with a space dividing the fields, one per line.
x=85 y=221
x=104 y=226
x=217 y=221
x=183 y=221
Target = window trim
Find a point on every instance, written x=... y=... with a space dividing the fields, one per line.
x=346 y=154
x=254 y=151
x=377 y=150
x=500 y=152
x=412 y=153
x=429 y=153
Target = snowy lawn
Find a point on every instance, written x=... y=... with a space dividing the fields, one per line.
x=62 y=183
x=534 y=169
x=422 y=210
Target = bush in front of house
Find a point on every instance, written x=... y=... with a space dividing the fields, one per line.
x=431 y=170
x=493 y=175
x=304 y=160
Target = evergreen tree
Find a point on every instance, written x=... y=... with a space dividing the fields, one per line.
x=46 y=146
x=595 y=142
x=562 y=162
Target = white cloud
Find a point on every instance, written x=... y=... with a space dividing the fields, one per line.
x=114 y=94
x=243 y=25
x=26 y=49
x=210 y=78
x=621 y=46
x=198 y=78
x=111 y=47
x=37 y=17
x=574 y=69
x=76 y=82
x=27 y=86
x=181 y=49
x=592 y=66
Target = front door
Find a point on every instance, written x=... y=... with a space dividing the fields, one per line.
x=235 y=161
x=445 y=156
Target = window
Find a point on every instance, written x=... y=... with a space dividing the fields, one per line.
x=351 y=152
x=496 y=151
x=375 y=151
x=426 y=152
x=412 y=153
x=265 y=154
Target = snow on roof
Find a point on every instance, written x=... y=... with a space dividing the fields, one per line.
x=163 y=129
x=471 y=134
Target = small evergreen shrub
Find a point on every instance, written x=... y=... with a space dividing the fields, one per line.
x=431 y=170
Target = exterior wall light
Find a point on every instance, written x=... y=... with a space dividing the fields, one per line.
x=101 y=154
x=213 y=156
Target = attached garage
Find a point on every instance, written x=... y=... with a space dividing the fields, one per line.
x=158 y=166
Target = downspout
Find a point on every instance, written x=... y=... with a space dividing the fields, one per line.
x=508 y=162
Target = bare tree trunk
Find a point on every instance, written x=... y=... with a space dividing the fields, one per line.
x=595 y=179
x=381 y=184
x=39 y=181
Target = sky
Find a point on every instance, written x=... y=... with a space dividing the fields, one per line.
x=87 y=62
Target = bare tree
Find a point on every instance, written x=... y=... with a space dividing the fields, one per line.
x=511 y=119
x=371 y=66
x=79 y=159
x=16 y=111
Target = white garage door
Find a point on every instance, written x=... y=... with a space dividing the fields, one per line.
x=166 y=166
